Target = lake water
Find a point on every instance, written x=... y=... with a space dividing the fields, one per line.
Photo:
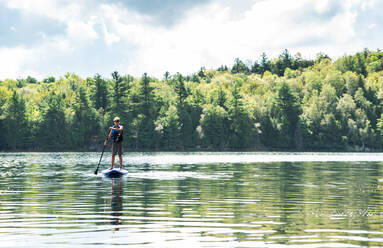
x=192 y=200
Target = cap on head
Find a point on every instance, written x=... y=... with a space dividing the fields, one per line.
x=116 y=119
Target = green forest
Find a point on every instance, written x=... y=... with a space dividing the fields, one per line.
x=283 y=103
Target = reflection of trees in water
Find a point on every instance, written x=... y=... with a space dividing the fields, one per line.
x=148 y=197
x=116 y=202
x=188 y=190
x=288 y=197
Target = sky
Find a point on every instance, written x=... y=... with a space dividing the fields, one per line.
x=43 y=38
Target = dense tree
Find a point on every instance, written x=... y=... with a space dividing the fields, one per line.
x=100 y=94
x=183 y=112
x=240 y=67
x=223 y=68
x=31 y=80
x=321 y=56
x=3 y=134
x=16 y=123
x=241 y=133
x=289 y=110
x=286 y=60
x=202 y=72
x=169 y=127
x=283 y=103
x=120 y=91
x=49 y=80
x=215 y=126
x=166 y=75
x=54 y=131
x=144 y=114
x=265 y=64
x=85 y=124
x=256 y=68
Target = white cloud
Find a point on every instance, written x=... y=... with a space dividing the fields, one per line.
x=371 y=26
x=321 y=6
x=214 y=35
x=80 y=24
x=79 y=29
x=209 y=35
x=63 y=11
x=14 y=60
x=110 y=38
x=342 y=27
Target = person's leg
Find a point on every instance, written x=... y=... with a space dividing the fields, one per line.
x=114 y=152
x=120 y=159
x=120 y=154
x=112 y=163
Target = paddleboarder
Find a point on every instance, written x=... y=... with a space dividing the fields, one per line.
x=115 y=132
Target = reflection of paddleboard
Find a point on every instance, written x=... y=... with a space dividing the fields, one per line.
x=114 y=172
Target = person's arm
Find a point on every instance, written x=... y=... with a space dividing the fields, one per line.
x=120 y=129
x=109 y=135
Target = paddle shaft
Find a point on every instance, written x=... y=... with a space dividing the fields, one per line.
x=103 y=149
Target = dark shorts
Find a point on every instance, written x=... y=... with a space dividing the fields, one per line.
x=117 y=148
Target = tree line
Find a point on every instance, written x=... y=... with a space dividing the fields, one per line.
x=285 y=103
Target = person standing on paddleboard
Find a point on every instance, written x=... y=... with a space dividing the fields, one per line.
x=116 y=134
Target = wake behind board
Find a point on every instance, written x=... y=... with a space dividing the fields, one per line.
x=114 y=172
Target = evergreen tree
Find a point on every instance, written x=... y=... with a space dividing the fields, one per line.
x=214 y=125
x=286 y=60
x=85 y=124
x=241 y=126
x=277 y=67
x=31 y=80
x=240 y=67
x=202 y=72
x=49 y=80
x=166 y=75
x=170 y=128
x=360 y=65
x=265 y=64
x=3 y=134
x=218 y=97
x=223 y=68
x=289 y=112
x=184 y=112
x=120 y=93
x=119 y=104
x=100 y=94
x=17 y=128
x=256 y=68
x=53 y=129
x=180 y=89
x=146 y=114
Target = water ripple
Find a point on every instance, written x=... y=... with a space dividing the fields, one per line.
x=192 y=200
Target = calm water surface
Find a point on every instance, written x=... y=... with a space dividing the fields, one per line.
x=192 y=200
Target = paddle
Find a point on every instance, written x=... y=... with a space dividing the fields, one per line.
x=103 y=149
